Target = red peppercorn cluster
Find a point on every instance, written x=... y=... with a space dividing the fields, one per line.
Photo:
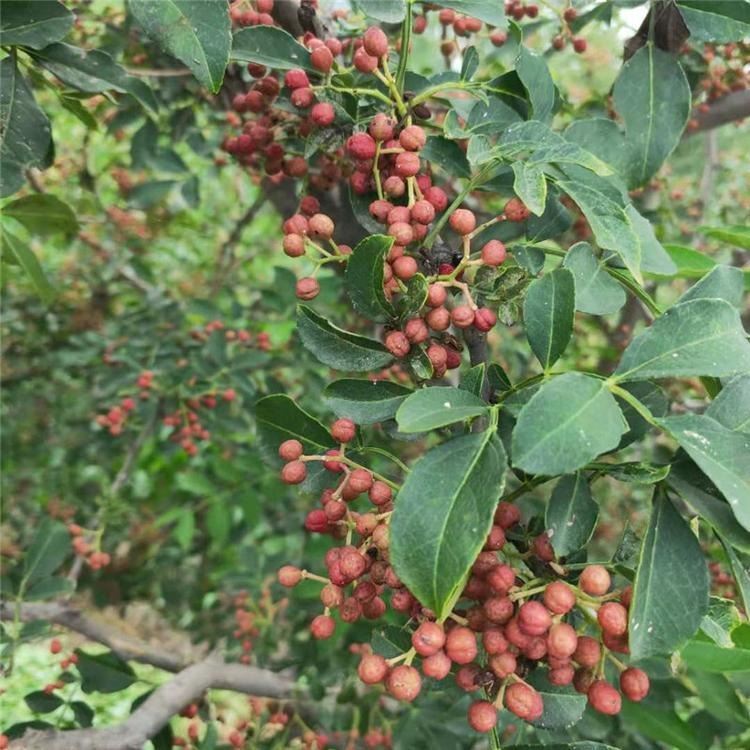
x=87 y=545
x=56 y=648
x=256 y=13
x=507 y=626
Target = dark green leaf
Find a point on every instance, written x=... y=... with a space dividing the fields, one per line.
x=740 y=565
x=473 y=379
x=569 y=421
x=42 y=214
x=338 y=348
x=535 y=76
x=653 y=97
x=84 y=714
x=430 y=408
x=34 y=24
x=49 y=588
x=653 y=398
x=148 y=194
x=469 y=64
x=196 y=32
x=364 y=277
x=365 y=401
x=571 y=514
x=49 y=547
x=596 y=292
x=443 y=513
x=604 y=139
x=709 y=657
x=446 y=155
x=24 y=129
x=670 y=595
x=94 y=71
x=218 y=522
x=697 y=337
x=663 y=726
x=22 y=255
x=654 y=258
x=42 y=703
x=548 y=312
x=279 y=419
x=563 y=707
x=638 y=472
x=271 y=46
x=498 y=378
x=103 y=673
x=719 y=696
x=720 y=453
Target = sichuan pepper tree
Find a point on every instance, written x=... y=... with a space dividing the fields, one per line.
x=444 y=205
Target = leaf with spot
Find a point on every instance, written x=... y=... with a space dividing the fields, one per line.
x=569 y=421
x=196 y=32
x=670 y=594
x=548 y=312
x=34 y=24
x=530 y=185
x=571 y=514
x=430 y=408
x=279 y=418
x=270 y=46
x=442 y=516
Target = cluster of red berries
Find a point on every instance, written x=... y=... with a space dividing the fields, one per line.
x=566 y=34
x=508 y=629
x=83 y=547
x=114 y=420
x=55 y=648
x=256 y=13
x=240 y=336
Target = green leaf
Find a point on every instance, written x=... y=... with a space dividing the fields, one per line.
x=469 y=64
x=446 y=155
x=661 y=725
x=218 y=522
x=563 y=707
x=569 y=421
x=652 y=96
x=430 y=408
x=34 y=24
x=498 y=378
x=722 y=455
x=709 y=657
x=732 y=406
x=338 y=348
x=604 y=139
x=571 y=514
x=104 y=673
x=489 y=11
x=442 y=515
x=49 y=588
x=365 y=401
x=697 y=337
x=24 y=129
x=83 y=713
x=42 y=214
x=364 y=277
x=596 y=292
x=670 y=594
x=19 y=252
x=278 y=419
x=535 y=76
x=719 y=696
x=734 y=234
x=654 y=258
x=606 y=214
x=387 y=11
x=689 y=263
x=585 y=745
x=49 y=547
x=196 y=32
x=716 y=20
x=473 y=379
x=184 y=529
x=740 y=565
x=548 y=312
x=271 y=46
x=722 y=282
x=530 y=185
x=42 y=703
x=94 y=71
